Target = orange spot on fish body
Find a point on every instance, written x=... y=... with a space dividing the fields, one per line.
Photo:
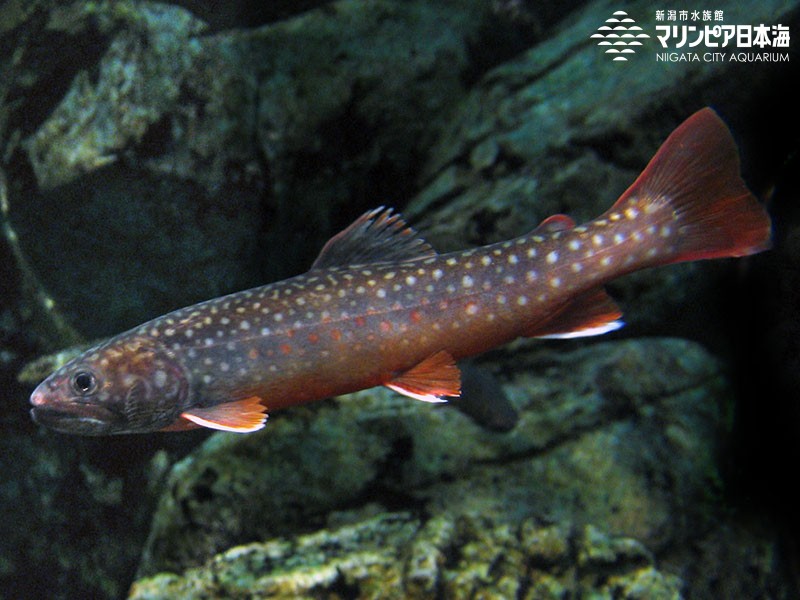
x=313 y=338
x=415 y=316
x=386 y=326
x=252 y=353
x=286 y=348
x=359 y=321
x=336 y=335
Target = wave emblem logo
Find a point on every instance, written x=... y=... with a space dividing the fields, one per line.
x=620 y=33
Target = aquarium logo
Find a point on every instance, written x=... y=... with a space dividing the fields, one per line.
x=701 y=36
x=620 y=35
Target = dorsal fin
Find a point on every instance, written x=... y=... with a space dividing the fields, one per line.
x=240 y=416
x=555 y=223
x=376 y=236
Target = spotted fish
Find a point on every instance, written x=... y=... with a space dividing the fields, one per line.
x=380 y=307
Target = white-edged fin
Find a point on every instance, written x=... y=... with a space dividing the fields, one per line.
x=241 y=416
x=432 y=398
x=589 y=331
x=432 y=380
x=592 y=312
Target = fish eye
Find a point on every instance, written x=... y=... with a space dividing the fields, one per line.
x=84 y=382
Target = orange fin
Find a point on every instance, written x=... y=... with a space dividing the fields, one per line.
x=555 y=223
x=430 y=380
x=180 y=424
x=590 y=313
x=376 y=236
x=694 y=180
x=241 y=416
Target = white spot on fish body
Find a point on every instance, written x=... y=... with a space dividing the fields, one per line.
x=598 y=240
x=577 y=267
x=555 y=282
x=411 y=280
x=467 y=281
x=618 y=238
x=631 y=212
x=486 y=260
x=189 y=333
x=452 y=262
x=244 y=325
x=531 y=276
x=437 y=274
x=380 y=293
x=666 y=231
x=508 y=279
x=159 y=378
x=605 y=261
x=472 y=309
x=574 y=245
x=522 y=300
x=552 y=257
x=224 y=321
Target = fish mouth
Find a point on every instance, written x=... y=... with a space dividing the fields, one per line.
x=70 y=421
x=67 y=416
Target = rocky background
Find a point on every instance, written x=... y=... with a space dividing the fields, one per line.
x=153 y=155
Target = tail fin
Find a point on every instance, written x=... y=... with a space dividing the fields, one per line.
x=695 y=174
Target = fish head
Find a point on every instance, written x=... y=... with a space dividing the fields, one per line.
x=125 y=385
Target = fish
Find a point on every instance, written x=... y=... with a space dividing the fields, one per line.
x=380 y=307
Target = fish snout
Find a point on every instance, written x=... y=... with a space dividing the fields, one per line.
x=42 y=396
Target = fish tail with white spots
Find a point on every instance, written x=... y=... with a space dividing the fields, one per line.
x=692 y=196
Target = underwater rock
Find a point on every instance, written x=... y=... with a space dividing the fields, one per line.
x=619 y=434
x=396 y=555
x=190 y=151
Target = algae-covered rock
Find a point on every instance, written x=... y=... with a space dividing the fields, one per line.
x=399 y=556
x=596 y=441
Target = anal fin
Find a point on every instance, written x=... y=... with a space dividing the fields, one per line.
x=432 y=380
x=240 y=416
x=590 y=313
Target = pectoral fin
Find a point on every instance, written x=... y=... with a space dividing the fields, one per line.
x=241 y=416
x=431 y=380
